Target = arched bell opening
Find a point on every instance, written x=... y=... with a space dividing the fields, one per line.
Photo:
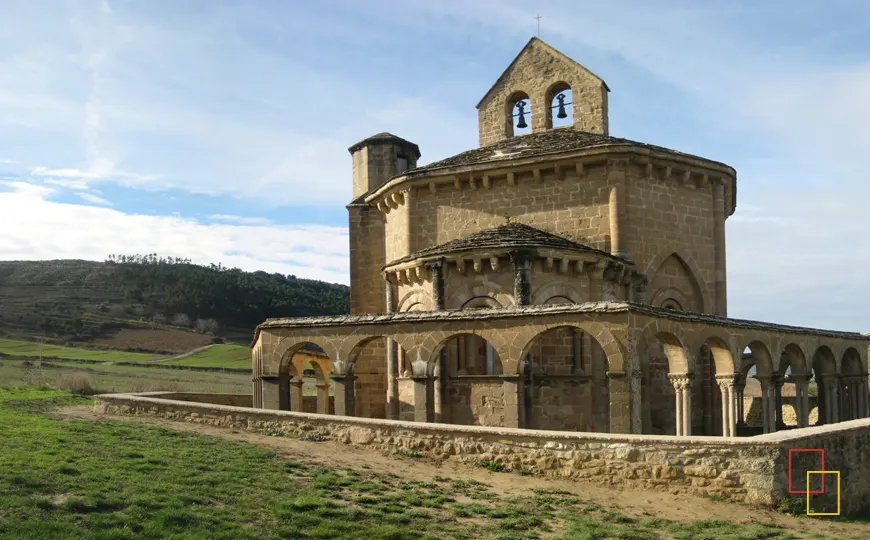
x=560 y=106
x=518 y=115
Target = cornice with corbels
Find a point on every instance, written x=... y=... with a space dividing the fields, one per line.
x=565 y=262
x=666 y=168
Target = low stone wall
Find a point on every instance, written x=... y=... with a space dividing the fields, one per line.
x=233 y=400
x=751 y=470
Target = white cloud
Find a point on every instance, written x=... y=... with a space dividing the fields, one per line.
x=33 y=228
x=240 y=219
x=6 y=161
x=67 y=183
x=90 y=197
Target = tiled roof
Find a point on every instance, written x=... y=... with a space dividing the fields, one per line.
x=385 y=137
x=551 y=141
x=512 y=235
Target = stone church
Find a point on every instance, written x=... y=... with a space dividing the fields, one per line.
x=555 y=278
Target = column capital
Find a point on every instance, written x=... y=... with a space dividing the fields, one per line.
x=726 y=381
x=521 y=256
x=341 y=377
x=681 y=381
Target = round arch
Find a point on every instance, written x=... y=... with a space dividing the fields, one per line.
x=556 y=289
x=416 y=298
x=510 y=104
x=606 y=340
x=550 y=95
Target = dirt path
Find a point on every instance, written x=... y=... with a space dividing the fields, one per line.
x=634 y=502
x=184 y=355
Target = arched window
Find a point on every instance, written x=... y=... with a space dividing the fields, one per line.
x=670 y=303
x=560 y=106
x=519 y=115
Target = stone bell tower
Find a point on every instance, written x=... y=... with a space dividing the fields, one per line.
x=539 y=73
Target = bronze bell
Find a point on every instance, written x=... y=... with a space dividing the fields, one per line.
x=562 y=113
x=521 y=123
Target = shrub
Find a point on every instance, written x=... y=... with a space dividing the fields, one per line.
x=77 y=384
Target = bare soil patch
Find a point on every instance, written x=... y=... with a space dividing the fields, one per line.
x=172 y=341
x=331 y=454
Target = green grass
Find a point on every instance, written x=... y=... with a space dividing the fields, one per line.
x=123 y=480
x=222 y=356
x=31 y=349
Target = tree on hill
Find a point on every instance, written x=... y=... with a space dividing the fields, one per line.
x=175 y=286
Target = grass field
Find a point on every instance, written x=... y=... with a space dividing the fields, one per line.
x=14 y=347
x=113 y=378
x=222 y=356
x=120 y=480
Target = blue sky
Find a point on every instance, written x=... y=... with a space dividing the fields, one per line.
x=217 y=130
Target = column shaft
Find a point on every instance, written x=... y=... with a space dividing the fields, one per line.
x=423 y=410
x=513 y=401
x=345 y=404
x=392 y=409
x=296 y=395
x=719 y=247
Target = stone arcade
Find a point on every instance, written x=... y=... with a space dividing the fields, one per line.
x=562 y=279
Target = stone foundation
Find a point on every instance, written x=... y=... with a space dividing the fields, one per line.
x=750 y=470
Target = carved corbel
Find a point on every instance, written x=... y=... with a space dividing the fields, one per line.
x=472 y=183
x=477 y=264
x=536 y=174
x=511 y=179
x=559 y=172
x=563 y=266
x=548 y=263
x=667 y=175
x=433 y=188
x=460 y=265
x=687 y=177
x=399 y=198
x=487 y=181
x=457 y=183
x=382 y=208
x=704 y=181
x=579 y=169
x=493 y=263
x=390 y=201
x=649 y=170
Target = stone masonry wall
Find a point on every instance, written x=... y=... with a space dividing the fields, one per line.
x=366 y=232
x=663 y=217
x=476 y=400
x=751 y=470
x=576 y=209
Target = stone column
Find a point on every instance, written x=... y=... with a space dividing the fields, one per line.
x=719 y=246
x=423 y=409
x=392 y=408
x=801 y=386
x=512 y=386
x=683 y=391
x=284 y=391
x=862 y=391
x=437 y=394
x=729 y=409
x=322 y=398
x=296 y=395
x=436 y=269
x=345 y=404
x=615 y=212
x=822 y=399
x=739 y=387
x=618 y=210
x=271 y=391
x=776 y=383
x=635 y=388
x=833 y=392
x=620 y=411
x=767 y=404
x=522 y=261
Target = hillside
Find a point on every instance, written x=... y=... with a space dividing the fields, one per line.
x=117 y=302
